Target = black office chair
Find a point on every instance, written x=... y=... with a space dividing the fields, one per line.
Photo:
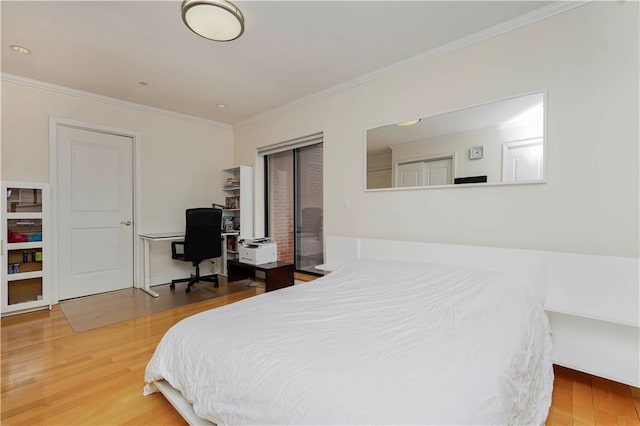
x=311 y=221
x=202 y=240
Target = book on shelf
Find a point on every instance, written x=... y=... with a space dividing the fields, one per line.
x=231 y=183
x=232 y=243
x=232 y=202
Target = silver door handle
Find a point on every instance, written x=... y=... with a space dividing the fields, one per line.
x=126 y=223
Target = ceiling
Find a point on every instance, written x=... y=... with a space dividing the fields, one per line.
x=289 y=50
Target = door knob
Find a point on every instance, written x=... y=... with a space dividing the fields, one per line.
x=126 y=222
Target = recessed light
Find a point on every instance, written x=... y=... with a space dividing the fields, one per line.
x=20 y=49
x=222 y=106
x=143 y=83
x=408 y=123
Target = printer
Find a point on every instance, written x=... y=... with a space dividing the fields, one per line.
x=258 y=251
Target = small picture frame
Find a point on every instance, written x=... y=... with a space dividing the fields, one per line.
x=228 y=223
x=476 y=152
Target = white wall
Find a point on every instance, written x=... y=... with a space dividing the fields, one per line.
x=181 y=159
x=379 y=170
x=587 y=61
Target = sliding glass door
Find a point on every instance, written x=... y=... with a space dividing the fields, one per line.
x=280 y=208
x=294 y=205
x=308 y=208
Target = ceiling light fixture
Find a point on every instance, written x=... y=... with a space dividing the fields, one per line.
x=222 y=106
x=217 y=20
x=20 y=49
x=409 y=123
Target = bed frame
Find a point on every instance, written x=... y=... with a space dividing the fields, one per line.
x=181 y=405
x=591 y=301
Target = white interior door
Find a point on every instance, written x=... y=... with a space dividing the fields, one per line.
x=425 y=173
x=522 y=161
x=410 y=174
x=95 y=212
x=438 y=172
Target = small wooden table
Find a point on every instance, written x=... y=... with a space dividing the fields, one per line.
x=276 y=274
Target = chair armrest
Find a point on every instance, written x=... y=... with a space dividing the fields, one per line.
x=174 y=253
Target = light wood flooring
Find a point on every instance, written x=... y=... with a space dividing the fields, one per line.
x=582 y=399
x=54 y=376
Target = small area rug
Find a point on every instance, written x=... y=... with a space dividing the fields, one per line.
x=89 y=312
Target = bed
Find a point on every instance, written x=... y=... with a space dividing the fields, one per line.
x=372 y=343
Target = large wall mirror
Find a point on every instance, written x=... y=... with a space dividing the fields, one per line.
x=499 y=142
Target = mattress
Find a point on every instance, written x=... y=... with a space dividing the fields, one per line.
x=371 y=343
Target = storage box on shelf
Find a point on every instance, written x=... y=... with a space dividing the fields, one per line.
x=25 y=283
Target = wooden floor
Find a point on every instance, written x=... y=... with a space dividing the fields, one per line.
x=54 y=376
x=582 y=399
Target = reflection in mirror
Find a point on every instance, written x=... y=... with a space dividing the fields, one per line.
x=497 y=142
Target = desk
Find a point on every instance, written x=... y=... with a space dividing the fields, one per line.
x=146 y=238
x=167 y=236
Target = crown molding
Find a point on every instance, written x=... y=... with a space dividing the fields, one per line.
x=108 y=100
x=475 y=38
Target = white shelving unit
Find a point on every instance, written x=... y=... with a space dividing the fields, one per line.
x=25 y=247
x=237 y=216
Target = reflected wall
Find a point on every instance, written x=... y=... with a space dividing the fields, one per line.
x=499 y=142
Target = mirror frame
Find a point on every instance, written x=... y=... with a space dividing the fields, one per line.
x=545 y=163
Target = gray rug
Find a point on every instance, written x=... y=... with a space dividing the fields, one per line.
x=90 y=312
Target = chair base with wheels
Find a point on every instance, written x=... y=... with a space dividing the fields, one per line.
x=213 y=278
x=194 y=279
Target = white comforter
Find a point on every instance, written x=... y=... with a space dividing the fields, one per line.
x=371 y=343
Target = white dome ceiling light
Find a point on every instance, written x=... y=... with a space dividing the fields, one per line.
x=217 y=20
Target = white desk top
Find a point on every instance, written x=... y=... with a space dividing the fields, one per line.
x=162 y=235
x=176 y=235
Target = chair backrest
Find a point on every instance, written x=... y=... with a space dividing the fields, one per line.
x=311 y=220
x=203 y=235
